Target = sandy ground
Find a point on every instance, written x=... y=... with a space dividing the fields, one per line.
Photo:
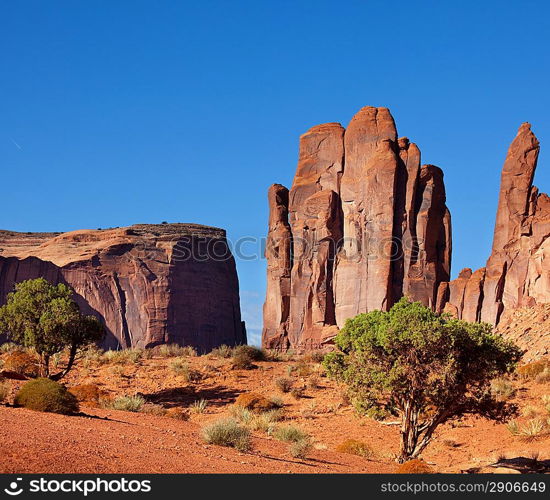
x=103 y=441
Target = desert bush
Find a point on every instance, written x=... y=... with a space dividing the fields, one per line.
x=227 y=432
x=426 y=368
x=180 y=367
x=302 y=369
x=241 y=414
x=290 y=434
x=123 y=357
x=86 y=393
x=284 y=384
x=533 y=430
x=530 y=371
x=414 y=466
x=297 y=392
x=265 y=422
x=199 y=406
x=277 y=402
x=316 y=356
x=43 y=394
x=177 y=413
x=301 y=448
x=529 y=411
x=126 y=403
x=174 y=351
x=245 y=355
x=450 y=443
x=21 y=362
x=502 y=388
x=254 y=402
x=355 y=447
x=223 y=351
x=4 y=391
x=313 y=382
x=45 y=317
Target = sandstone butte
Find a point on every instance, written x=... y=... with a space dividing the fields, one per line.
x=365 y=223
x=149 y=284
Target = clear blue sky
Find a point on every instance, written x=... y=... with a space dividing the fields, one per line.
x=124 y=112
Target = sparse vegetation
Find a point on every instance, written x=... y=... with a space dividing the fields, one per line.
x=284 y=384
x=530 y=371
x=355 y=447
x=502 y=388
x=199 y=406
x=21 y=362
x=86 y=393
x=297 y=392
x=180 y=367
x=122 y=357
x=45 y=317
x=174 y=351
x=125 y=403
x=411 y=360
x=46 y=395
x=300 y=449
x=290 y=434
x=227 y=432
x=245 y=355
x=223 y=351
x=254 y=402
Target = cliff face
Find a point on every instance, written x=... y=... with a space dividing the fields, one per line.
x=517 y=273
x=363 y=224
x=149 y=284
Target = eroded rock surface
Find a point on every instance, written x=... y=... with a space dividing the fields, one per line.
x=149 y=284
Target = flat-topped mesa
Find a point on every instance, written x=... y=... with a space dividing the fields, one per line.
x=517 y=273
x=149 y=284
x=366 y=225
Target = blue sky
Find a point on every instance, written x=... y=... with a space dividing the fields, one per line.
x=124 y=112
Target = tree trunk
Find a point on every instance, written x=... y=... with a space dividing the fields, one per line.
x=44 y=365
x=409 y=432
x=70 y=363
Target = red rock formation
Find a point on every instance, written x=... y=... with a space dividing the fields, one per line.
x=517 y=273
x=149 y=284
x=367 y=225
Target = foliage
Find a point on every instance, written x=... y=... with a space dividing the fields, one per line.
x=45 y=317
x=4 y=391
x=284 y=384
x=502 y=388
x=290 y=434
x=122 y=357
x=174 y=351
x=223 y=351
x=530 y=371
x=245 y=355
x=199 y=406
x=86 y=393
x=126 y=403
x=227 y=432
x=43 y=394
x=426 y=368
x=300 y=449
x=21 y=362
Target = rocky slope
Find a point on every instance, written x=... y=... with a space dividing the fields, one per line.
x=149 y=284
x=362 y=225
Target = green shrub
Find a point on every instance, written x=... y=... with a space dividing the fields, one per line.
x=284 y=384
x=227 y=432
x=46 y=395
x=290 y=434
x=126 y=403
x=9 y=347
x=301 y=448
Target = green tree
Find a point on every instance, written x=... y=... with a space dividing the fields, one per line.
x=46 y=318
x=424 y=367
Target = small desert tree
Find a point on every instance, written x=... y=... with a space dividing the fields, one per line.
x=46 y=318
x=424 y=367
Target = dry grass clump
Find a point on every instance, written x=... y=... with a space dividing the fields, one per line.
x=300 y=449
x=223 y=351
x=415 y=466
x=529 y=411
x=533 y=430
x=284 y=384
x=313 y=382
x=227 y=432
x=502 y=388
x=153 y=409
x=122 y=357
x=302 y=369
x=125 y=403
x=199 y=406
x=298 y=392
x=21 y=362
x=290 y=434
x=43 y=394
x=355 y=447
x=173 y=351
x=181 y=368
x=254 y=402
